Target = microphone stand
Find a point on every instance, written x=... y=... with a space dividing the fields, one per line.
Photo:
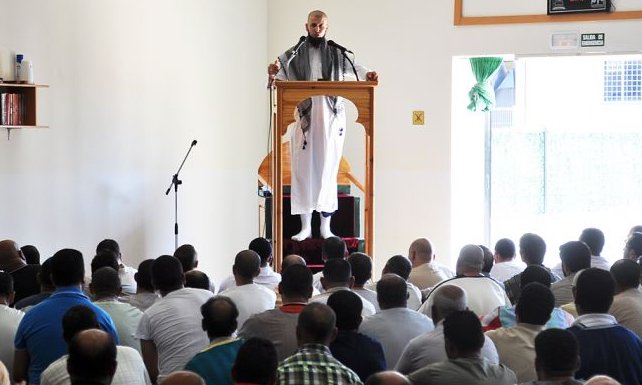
x=345 y=55
x=175 y=183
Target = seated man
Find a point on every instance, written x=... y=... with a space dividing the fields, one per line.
x=515 y=344
x=337 y=275
x=315 y=330
x=400 y=265
x=126 y=273
x=189 y=260
x=255 y=363
x=361 y=266
x=332 y=248
x=426 y=272
x=464 y=339
x=279 y=325
x=388 y=377
x=556 y=358
x=9 y=321
x=92 y=358
x=627 y=303
x=429 y=348
x=267 y=277
x=392 y=294
x=370 y=358
x=46 y=288
x=39 y=339
x=145 y=295
x=215 y=362
x=130 y=369
x=605 y=347
x=506 y=266
x=575 y=256
x=25 y=281
x=249 y=297
x=484 y=293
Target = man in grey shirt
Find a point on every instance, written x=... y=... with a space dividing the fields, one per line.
x=464 y=339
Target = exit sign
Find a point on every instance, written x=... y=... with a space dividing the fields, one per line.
x=592 y=40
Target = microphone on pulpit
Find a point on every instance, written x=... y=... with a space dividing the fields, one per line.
x=298 y=45
x=345 y=51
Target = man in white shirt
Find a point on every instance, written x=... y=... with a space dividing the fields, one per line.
x=267 y=277
x=361 y=265
x=105 y=288
x=484 y=293
x=426 y=272
x=506 y=266
x=249 y=297
x=337 y=275
x=395 y=325
x=627 y=303
x=575 y=256
x=429 y=347
x=126 y=273
x=9 y=320
x=145 y=294
x=332 y=248
x=130 y=369
x=170 y=330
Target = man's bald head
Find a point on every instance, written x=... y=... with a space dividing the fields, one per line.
x=9 y=253
x=392 y=291
x=447 y=299
x=92 y=357
x=316 y=324
x=317 y=14
x=420 y=252
x=470 y=261
x=183 y=377
x=247 y=265
x=601 y=380
x=389 y=377
x=290 y=260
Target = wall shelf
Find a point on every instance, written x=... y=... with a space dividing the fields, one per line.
x=29 y=93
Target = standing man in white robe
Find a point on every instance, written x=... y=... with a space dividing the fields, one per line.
x=318 y=135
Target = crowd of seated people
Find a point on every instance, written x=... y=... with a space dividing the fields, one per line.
x=493 y=320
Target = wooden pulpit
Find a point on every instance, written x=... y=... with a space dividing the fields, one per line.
x=288 y=95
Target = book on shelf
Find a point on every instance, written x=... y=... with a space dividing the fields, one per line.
x=12 y=109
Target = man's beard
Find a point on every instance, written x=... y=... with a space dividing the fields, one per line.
x=315 y=41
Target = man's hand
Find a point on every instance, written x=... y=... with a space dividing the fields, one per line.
x=372 y=76
x=274 y=68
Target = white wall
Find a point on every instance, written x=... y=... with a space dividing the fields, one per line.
x=118 y=133
x=132 y=84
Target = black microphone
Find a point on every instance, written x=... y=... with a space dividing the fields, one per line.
x=340 y=47
x=194 y=142
x=298 y=45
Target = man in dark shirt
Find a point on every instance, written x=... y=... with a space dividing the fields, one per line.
x=25 y=282
x=347 y=306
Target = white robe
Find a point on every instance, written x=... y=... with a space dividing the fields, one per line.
x=314 y=169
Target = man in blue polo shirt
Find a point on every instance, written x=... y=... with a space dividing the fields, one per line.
x=39 y=339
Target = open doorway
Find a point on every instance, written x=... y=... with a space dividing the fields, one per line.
x=561 y=152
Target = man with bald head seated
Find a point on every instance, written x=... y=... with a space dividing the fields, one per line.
x=464 y=339
x=130 y=369
x=601 y=380
x=25 y=281
x=184 y=377
x=627 y=303
x=361 y=266
x=214 y=362
x=313 y=363
x=370 y=359
x=532 y=250
x=401 y=266
x=92 y=358
x=105 y=288
x=556 y=358
x=279 y=325
x=575 y=256
x=389 y=377
x=429 y=347
x=392 y=294
x=267 y=277
x=292 y=259
x=249 y=297
x=255 y=363
x=426 y=272
x=504 y=316
x=39 y=340
x=171 y=329
x=605 y=346
x=197 y=279
x=337 y=275
x=484 y=293
x=516 y=344
x=145 y=294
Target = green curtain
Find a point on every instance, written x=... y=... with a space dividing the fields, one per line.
x=482 y=95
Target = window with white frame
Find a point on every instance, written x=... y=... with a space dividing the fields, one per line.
x=622 y=80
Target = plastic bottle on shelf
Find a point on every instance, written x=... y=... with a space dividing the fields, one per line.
x=19 y=58
x=27 y=72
